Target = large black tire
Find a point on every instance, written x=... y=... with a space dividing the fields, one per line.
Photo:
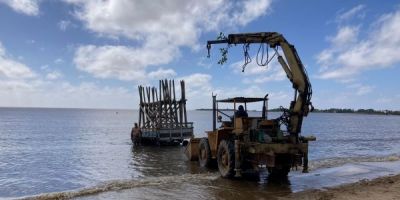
x=279 y=173
x=204 y=153
x=249 y=171
x=283 y=163
x=226 y=159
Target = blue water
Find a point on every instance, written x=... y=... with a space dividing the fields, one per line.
x=53 y=150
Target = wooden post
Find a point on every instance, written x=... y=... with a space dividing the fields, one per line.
x=140 y=107
x=159 y=106
x=175 y=111
x=180 y=106
x=184 y=103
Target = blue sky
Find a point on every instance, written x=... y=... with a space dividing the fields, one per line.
x=93 y=54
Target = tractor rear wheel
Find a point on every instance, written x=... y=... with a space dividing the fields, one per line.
x=279 y=173
x=226 y=159
x=204 y=153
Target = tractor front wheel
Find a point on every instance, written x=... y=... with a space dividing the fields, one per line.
x=226 y=159
x=204 y=153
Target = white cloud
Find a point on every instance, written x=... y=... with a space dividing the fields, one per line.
x=378 y=50
x=362 y=90
x=13 y=69
x=160 y=29
x=58 y=61
x=204 y=62
x=252 y=9
x=260 y=74
x=384 y=100
x=64 y=24
x=39 y=93
x=21 y=87
x=179 y=21
x=54 y=75
x=346 y=35
x=121 y=62
x=44 y=67
x=27 y=7
x=198 y=83
x=199 y=89
x=162 y=74
x=15 y=85
x=357 y=11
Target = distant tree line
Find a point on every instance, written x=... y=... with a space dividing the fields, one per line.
x=347 y=110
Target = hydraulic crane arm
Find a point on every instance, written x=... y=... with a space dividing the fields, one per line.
x=293 y=67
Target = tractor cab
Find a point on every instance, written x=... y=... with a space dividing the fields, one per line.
x=241 y=122
x=236 y=115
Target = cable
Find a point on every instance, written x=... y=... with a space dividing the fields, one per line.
x=247 y=58
x=262 y=50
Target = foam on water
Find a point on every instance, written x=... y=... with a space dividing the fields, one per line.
x=116 y=185
x=211 y=183
x=341 y=167
x=333 y=162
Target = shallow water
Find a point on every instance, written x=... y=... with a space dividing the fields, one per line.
x=55 y=150
x=211 y=187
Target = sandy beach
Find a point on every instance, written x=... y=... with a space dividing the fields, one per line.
x=383 y=188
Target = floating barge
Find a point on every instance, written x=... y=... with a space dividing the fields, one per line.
x=163 y=118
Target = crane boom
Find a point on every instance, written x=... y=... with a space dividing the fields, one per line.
x=294 y=69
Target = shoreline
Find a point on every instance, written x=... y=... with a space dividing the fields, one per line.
x=386 y=187
x=364 y=180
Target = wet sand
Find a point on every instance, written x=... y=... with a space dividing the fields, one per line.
x=380 y=188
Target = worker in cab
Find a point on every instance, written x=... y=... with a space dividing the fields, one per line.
x=241 y=112
x=136 y=135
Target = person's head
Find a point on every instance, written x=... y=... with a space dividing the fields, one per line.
x=241 y=108
x=136 y=125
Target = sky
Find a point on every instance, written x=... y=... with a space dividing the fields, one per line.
x=94 y=53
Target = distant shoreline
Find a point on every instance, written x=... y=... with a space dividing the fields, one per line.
x=359 y=111
x=331 y=110
x=210 y=109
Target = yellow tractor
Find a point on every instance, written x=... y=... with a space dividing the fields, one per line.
x=248 y=143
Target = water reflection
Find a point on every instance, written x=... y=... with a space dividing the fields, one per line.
x=197 y=182
x=265 y=188
x=153 y=161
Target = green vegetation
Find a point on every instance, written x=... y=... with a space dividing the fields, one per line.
x=362 y=111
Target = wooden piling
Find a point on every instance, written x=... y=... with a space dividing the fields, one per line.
x=161 y=108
